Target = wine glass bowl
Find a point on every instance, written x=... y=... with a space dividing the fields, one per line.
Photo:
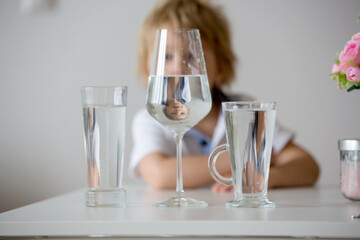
x=178 y=94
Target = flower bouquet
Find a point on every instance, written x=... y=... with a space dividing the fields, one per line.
x=346 y=70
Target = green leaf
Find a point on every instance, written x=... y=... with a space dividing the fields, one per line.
x=342 y=78
x=350 y=89
x=337 y=62
x=335 y=77
x=353 y=87
x=358 y=17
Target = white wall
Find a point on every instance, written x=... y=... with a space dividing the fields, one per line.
x=286 y=50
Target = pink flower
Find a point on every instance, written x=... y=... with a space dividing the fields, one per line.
x=353 y=74
x=336 y=68
x=351 y=53
x=356 y=37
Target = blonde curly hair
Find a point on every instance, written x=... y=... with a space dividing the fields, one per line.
x=210 y=21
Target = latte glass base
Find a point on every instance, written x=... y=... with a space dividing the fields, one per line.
x=179 y=200
x=106 y=198
x=251 y=203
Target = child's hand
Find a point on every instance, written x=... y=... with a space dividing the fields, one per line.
x=220 y=188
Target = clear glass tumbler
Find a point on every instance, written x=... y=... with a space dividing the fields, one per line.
x=104 y=115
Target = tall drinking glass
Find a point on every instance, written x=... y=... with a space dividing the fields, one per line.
x=104 y=110
x=250 y=129
x=178 y=94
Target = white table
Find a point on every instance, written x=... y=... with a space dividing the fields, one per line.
x=301 y=213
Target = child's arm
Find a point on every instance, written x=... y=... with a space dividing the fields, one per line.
x=159 y=170
x=293 y=167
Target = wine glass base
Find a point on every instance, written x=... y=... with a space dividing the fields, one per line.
x=181 y=201
x=251 y=203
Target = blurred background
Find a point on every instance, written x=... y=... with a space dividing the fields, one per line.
x=50 y=48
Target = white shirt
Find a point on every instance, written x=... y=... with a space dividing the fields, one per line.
x=149 y=136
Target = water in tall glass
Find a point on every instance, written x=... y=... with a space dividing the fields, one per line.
x=104 y=142
x=250 y=147
x=104 y=115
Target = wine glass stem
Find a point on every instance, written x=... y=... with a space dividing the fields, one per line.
x=179 y=181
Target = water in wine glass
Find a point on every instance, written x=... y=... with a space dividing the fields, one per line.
x=183 y=100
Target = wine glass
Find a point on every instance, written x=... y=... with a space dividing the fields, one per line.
x=178 y=94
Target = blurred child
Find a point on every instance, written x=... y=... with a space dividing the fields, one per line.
x=154 y=152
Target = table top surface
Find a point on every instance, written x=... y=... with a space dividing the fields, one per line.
x=299 y=212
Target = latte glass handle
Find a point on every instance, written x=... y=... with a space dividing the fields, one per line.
x=212 y=165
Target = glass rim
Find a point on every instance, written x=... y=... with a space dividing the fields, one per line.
x=248 y=105
x=104 y=87
x=178 y=29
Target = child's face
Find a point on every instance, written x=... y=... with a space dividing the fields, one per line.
x=174 y=67
x=176 y=110
x=180 y=59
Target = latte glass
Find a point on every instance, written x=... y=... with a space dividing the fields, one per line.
x=249 y=132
